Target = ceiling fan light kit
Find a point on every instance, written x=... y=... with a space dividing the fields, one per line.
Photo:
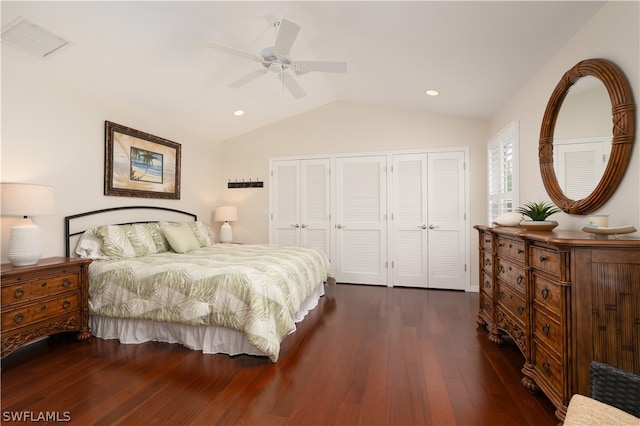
x=276 y=59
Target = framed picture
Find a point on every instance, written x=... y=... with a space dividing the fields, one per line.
x=138 y=164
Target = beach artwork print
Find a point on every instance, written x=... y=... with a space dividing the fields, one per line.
x=138 y=164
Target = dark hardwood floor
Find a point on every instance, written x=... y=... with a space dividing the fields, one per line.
x=366 y=355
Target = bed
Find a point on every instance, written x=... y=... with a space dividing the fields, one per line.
x=157 y=275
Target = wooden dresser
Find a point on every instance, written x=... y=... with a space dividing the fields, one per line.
x=565 y=299
x=42 y=299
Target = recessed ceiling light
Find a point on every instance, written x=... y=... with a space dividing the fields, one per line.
x=238 y=113
x=432 y=92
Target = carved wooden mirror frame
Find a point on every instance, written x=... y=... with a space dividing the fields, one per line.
x=623 y=113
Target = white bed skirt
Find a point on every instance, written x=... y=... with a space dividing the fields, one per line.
x=208 y=339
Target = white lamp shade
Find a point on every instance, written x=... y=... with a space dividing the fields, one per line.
x=226 y=214
x=24 y=199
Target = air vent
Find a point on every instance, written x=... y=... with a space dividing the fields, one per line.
x=32 y=39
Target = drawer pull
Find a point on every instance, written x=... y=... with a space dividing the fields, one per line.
x=500 y=294
x=500 y=269
x=545 y=293
x=487 y=284
x=66 y=283
x=510 y=245
x=18 y=294
x=543 y=259
x=43 y=308
x=486 y=306
x=66 y=304
x=520 y=251
x=520 y=279
x=487 y=240
x=44 y=284
x=520 y=309
x=546 y=367
x=487 y=262
x=18 y=318
x=545 y=329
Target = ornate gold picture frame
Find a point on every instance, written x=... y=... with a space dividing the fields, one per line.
x=138 y=164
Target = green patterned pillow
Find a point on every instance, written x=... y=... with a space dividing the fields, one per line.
x=202 y=232
x=116 y=243
x=147 y=239
x=181 y=238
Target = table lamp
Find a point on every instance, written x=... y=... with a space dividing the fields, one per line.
x=226 y=214
x=23 y=199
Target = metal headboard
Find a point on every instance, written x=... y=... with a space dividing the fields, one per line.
x=71 y=232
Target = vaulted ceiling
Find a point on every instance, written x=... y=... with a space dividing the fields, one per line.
x=150 y=54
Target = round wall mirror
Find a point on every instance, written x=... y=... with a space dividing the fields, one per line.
x=586 y=136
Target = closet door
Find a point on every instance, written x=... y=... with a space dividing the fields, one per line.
x=315 y=204
x=301 y=203
x=446 y=220
x=285 y=203
x=409 y=220
x=361 y=222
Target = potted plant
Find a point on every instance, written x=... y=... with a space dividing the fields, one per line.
x=538 y=214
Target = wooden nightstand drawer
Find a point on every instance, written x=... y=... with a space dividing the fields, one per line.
x=40 y=287
x=43 y=310
x=511 y=248
x=545 y=260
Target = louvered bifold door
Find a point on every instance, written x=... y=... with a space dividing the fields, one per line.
x=315 y=206
x=285 y=203
x=446 y=225
x=409 y=220
x=361 y=225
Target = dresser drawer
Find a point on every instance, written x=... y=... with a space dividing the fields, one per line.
x=487 y=287
x=38 y=311
x=547 y=293
x=486 y=240
x=511 y=248
x=512 y=303
x=485 y=259
x=548 y=367
x=547 y=329
x=486 y=304
x=39 y=287
x=511 y=273
x=545 y=260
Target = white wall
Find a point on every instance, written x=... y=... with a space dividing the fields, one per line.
x=613 y=34
x=346 y=128
x=53 y=134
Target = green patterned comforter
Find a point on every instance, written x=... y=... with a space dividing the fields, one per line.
x=255 y=289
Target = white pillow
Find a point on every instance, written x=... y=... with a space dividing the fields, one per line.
x=90 y=245
x=508 y=219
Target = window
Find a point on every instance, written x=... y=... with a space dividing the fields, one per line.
x=502 y=154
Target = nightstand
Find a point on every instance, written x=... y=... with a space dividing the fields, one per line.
x=49 y=297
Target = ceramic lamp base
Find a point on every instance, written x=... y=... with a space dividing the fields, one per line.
x=25 y=246
x=226 y=233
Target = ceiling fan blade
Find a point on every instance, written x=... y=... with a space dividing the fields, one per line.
x=292 y=85
x=247 y=78
x=303 y=67
x=287 y=33
x=232 y=51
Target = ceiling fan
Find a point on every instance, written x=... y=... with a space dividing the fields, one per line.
x=277 y=60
